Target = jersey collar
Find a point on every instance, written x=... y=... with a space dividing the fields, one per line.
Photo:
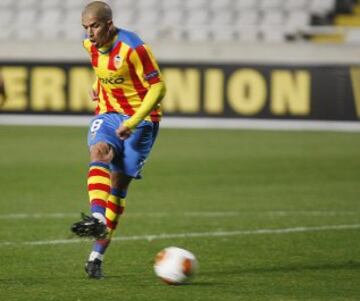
x=110 y=46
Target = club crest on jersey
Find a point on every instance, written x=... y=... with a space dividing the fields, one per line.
x=117 y=61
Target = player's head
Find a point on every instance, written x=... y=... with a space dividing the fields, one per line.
x=97 y=21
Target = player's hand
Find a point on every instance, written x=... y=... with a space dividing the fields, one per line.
x=123 y=132
x=94 y=95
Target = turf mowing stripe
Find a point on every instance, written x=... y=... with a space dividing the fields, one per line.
x=15 y=216
x=191 y=235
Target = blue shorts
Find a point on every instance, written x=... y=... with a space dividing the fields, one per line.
x=130 y=154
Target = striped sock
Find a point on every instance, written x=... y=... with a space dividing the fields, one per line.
x=99 y=185
x=115 y=207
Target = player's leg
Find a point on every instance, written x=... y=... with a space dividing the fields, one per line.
x=114 y=209
x=102 y=144
x=98 y=181
x=124 y=168
x=117 y=200
x=99 y=186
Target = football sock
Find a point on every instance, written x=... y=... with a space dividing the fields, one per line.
x=99 y=185
x=99 y=249
x=114 y=208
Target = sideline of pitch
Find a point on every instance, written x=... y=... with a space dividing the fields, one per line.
x=153 y=237
x=193 y=123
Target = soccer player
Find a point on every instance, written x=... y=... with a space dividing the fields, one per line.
x=128 y=91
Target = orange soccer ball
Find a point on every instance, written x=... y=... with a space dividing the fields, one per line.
x=175 y=266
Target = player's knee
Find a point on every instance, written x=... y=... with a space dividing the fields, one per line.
x=101 y=152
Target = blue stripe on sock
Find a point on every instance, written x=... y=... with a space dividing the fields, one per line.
x=101 y=248
x=99 y=164
x=98 y=209
x=120 y=193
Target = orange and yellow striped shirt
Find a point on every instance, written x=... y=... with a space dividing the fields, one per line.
x=124 y=73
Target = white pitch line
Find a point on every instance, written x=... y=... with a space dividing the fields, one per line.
x=191 y=235
x=59 y=215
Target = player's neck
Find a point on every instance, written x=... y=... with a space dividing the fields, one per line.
x=110 y=42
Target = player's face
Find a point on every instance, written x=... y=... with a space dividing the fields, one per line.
x=97 y=31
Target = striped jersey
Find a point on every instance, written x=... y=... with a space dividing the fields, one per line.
x=124 y=73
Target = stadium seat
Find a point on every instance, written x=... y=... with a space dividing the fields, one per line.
x=195 y=4
x=173 y=17
x=70 y=4
x=274 y=34
x=223 y=34
x=22 y=4
x=6 y=3
x=246 y=5
x=146 y=18
x=26 y=18
x=197 y=18
x=246 y=18
x=147 y=5
x=248 y=34
x=272 y=18
x=148 y=34
x=265 y=5
x=72 y=29
x=197 y=34
x=123 y=4
x=50 y=3
x=321 y=7
x=297 y=20
x=216 y=5
x=124 y=17
x=6 y=16
x=294 y=5
x=48 y=24
x=222 y=17
x=171 y=4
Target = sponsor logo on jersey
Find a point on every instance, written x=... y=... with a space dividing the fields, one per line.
x=111 y=80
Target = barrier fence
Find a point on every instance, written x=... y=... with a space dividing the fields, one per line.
x=303 y=92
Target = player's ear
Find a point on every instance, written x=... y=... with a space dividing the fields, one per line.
x=110 y=24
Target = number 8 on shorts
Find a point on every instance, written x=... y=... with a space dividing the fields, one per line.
x=95 y=126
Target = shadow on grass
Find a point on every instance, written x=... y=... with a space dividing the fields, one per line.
x=292 y=268
x=193 y=282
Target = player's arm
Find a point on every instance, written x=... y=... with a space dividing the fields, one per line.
x=151 y=100
x=146 y=68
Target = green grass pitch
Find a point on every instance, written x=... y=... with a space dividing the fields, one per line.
x=238 y=190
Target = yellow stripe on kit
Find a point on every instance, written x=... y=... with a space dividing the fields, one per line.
x=98 y=194
x=99 y=179
x=110 y=214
